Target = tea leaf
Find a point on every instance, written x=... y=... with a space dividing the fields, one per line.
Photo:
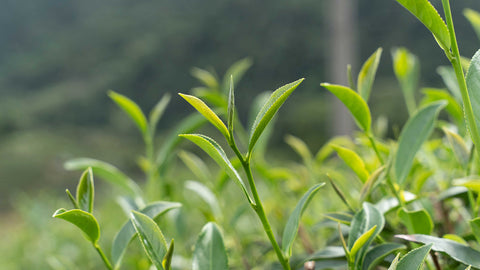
x=416 y=221
x=231 y=107
x=453 y=107
x=458 y=252
x=265 y=115
x=209 y=250
x=72 y=199
x=354 y=103
x=106 y=171
x=300 y=148
x=414 y=133
x=450 y=80
x=376 y=255
x=344 y=218
x=237 y=70
x=157 y=112
x=207 y=195
x=370 y=183
x=169 y=256
x=328 y=252
x=127 y=232
x=473 y=87
x=462 y=153
x=83 y=220
x=393 y=265
x=407 y=68
x=340 y=194
x=202 y=108
x=367 y=74
x=85 y=191
x=291 y=229
x=196 y=165
x=474 y=19
x=361 y=241
x=206 y=77
x=475 y=226
x=151 y=238
x=353 y=161
x=216 y=152
x=414 y=259
x=132 y=109
x=428 y=15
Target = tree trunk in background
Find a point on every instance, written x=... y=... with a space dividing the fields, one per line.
x=342 y=22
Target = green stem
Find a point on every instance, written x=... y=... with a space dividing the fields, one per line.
x=374 y=146
x=455 y=61
x=104 y=258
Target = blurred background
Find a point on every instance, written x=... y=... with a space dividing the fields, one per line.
x=58 y=59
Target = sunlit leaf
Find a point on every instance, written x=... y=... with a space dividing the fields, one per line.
x=83 y=220
x=237 y=70
x=354 y=161
x=367 y=74
x=206 y=77
x=361 y=241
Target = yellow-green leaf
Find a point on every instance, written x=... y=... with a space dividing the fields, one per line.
x=132 y=109
x=354 y=161
x=367 y=74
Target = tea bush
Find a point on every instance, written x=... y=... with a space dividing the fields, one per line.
x=408 y=202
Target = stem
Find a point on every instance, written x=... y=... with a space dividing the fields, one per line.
x=455 y=61
x=104 y=258
x=374 y=146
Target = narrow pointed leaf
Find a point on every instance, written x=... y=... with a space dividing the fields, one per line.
x=72 y=199
x=475 y=226
x=450 y=80
x=418 y=221
x=167 y=263
x=216 y=152
x=207 y=195
x=300 y=148
x=132 y=109
x=210 y=253
x=291 y=229
x=206 y=77
x=428 y=15
x=474 y=19
x=269 y=109
x=127 y=232
x=151 y=238
x=196 y=165
x=231 y=107
x=458 y=252
x=85 y=191
x=372 y=180
x=157 y=111
x=106 y=171
x=459 y=147
x=361 y=241
x=340 y=193
x=393 y=265
x=414 y=259
x=83 y=220
x=376 y=255
x=237 y=70
x=353 y=161
x=407 y=70
x=367 y=74
x=473 y=86
x=415 y=132
x=211 y=116
x=354 y=103
x=344 y=218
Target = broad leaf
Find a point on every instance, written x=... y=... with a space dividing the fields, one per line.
x=459 y=252
x=376 y=255
x=473 y=86
x=132 y=109
x=367 y=74
x=265 y=115
x=291 y=229
x=202 y=108
x=354 y=103
x=354 y=161
x=414 y=133
x=210 y=253
x=83 y=220
x=407 y=69
x=85 y=191
x=428 y=15
x=151 y=238
x=418 y=221
x=157 y=112
x=474 y=19
x=207 y=195
x=216 y=152
x=413 y=260
x=127 y=232
x=106 y=171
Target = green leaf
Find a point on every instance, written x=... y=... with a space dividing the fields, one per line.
x=339 y=192
x=354 y=103
x=361 y=241
x=376 y=255
x=216 y=152
x=474 y=19
x=169 y=256
x=363 y=220
x=72 y=199
x=329 y=252
x=407 y=70
x=414 y=133
x=453 y=107
x=428 y=15
x=196 y=165
x=265 y=115
x=202 y=108
x=83 y=220
x=414 y=259
x=291 y=229
x=85 y=191
x=127 y=232
x=367 y=74
x=353 y=161
x=371 y=182
x=462 y=153
x=106 y=171
x=418 y=221
x=344 y=218
x=237 y=70
x=132 y=109
x=475 y=226
x=206 y=77
x=231 y=107
x=157 y=112
x=458 y=252
x=207 y=195
x=209 y=253
x=450 y=80
x=151 y=238
x=473 y=87
x=300 y=148
x=393 y=265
